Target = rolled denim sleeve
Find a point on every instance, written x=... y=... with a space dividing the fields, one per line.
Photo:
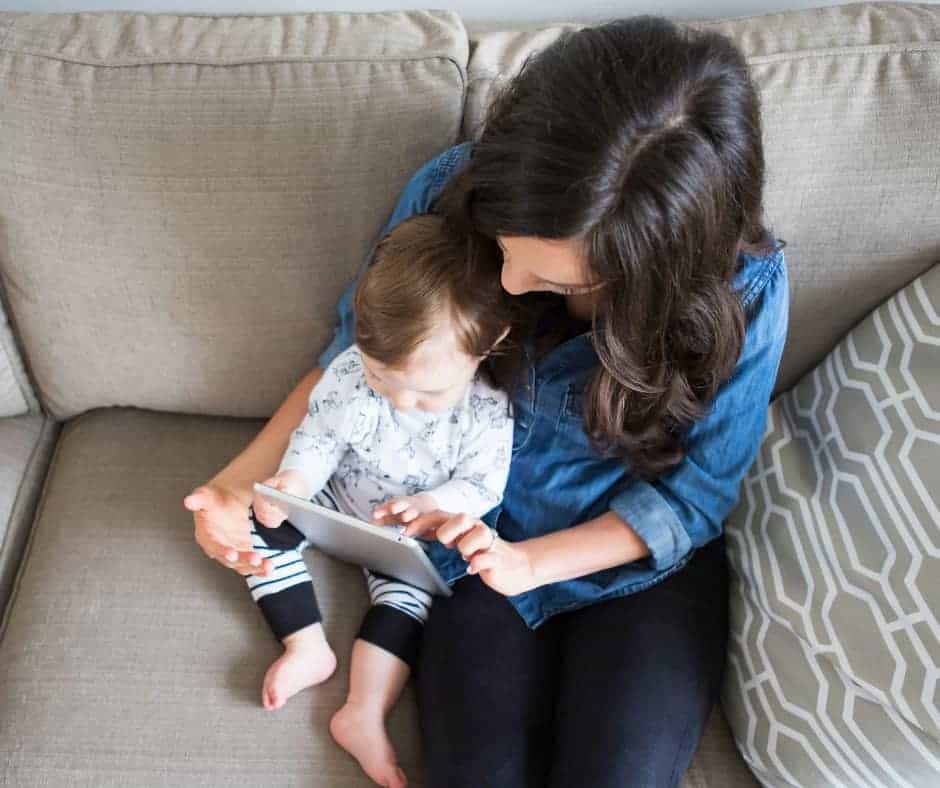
x=416 y=198
x=686 y=507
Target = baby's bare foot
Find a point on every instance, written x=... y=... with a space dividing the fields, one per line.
x=361 y=732
x=307 y=660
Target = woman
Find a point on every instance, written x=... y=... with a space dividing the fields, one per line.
x=621 y=176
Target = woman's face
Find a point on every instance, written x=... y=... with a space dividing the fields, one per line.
x=533 y=264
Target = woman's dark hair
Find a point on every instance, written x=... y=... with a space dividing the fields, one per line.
x=422 y=273
x=644 y=141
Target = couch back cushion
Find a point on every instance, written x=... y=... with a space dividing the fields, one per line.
x=851 y=97
x=183 y=198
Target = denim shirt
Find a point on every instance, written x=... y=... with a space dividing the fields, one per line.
x=557 y=479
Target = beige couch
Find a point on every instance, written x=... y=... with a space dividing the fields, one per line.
x=181 y=202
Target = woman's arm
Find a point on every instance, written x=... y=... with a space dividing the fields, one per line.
x=597 y=544
x=261 y=457
x=515 y=567
x=220 y=507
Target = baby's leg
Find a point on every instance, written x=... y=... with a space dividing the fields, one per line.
x=289 y=605
x=382 y=658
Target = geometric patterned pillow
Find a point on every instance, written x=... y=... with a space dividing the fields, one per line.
x=833 y=675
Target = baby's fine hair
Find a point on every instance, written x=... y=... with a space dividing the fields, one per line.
x=421 y=274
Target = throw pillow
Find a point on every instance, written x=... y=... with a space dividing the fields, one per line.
x=834 y=651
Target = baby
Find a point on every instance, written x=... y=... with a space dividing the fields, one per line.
x=400 y=424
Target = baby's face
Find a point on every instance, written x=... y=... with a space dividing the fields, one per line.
x=433 y=378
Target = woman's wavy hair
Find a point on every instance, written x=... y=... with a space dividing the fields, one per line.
x=642 y=139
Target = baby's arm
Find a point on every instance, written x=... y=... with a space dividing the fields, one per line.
x=335 y=413
x=478 y=481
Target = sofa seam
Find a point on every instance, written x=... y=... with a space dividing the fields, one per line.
x=196 y=61
x=928 y=47
x=461 y=70
x=51 y=424
x=865 y=49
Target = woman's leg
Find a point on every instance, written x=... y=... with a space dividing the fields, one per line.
x=638 y=677
x=484 y=682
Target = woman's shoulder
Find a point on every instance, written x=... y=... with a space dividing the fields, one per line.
x=759 y=270
x=427 y=183
x=443 y=166
x=764 y=290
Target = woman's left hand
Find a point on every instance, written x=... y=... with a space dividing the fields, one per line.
x=503 y=566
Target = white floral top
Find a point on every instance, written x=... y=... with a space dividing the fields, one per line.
x=374 y=452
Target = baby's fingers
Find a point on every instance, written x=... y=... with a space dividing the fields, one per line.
x=395 y=506
x=382 y=517
x=268 y=514
x=409 y=514
x=398 y=510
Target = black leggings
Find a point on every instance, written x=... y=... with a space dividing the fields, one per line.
x=615 y=694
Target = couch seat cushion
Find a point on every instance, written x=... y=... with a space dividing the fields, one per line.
x=131 y=659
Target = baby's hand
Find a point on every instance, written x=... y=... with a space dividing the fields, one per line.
x=404 y=509
x=273 y=514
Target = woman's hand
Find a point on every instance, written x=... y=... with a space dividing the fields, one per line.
x=403 y=510
x=504 y=566
x=223 y=531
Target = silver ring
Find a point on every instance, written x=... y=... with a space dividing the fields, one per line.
x=493 y=537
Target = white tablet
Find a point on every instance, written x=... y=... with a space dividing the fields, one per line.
x=379 y=547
